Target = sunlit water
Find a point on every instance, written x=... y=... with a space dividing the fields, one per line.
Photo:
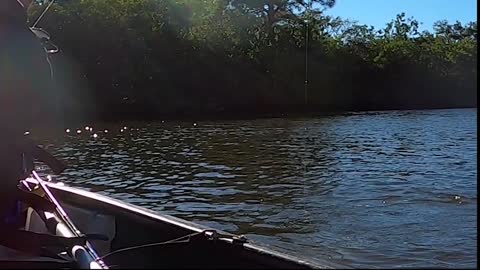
x=378 y=189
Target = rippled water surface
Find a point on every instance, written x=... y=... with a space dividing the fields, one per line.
x=377 y=189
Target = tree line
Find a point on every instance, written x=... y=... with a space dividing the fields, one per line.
x=150 y=59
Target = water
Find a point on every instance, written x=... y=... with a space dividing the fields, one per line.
x=378 y=189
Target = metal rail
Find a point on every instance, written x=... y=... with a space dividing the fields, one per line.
x=62 y=215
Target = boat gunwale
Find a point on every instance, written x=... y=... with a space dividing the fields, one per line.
x=187 y=225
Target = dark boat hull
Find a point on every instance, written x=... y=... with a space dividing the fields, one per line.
x=126 y=225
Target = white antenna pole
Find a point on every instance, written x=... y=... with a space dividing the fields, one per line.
x=307 y=32
x=306 y=62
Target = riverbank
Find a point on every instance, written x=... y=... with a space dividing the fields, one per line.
x=223 y=63
x=233 y=116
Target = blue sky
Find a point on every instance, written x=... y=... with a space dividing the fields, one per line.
x=379 y=12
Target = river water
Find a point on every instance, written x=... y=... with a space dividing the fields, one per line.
x=372 y=189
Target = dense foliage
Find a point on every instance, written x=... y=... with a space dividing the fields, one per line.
x=133 y=58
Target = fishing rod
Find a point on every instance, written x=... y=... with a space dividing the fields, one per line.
x=43 y=14
x=43 y=35
x=62 y=215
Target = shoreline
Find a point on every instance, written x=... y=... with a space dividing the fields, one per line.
x=245 y=116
